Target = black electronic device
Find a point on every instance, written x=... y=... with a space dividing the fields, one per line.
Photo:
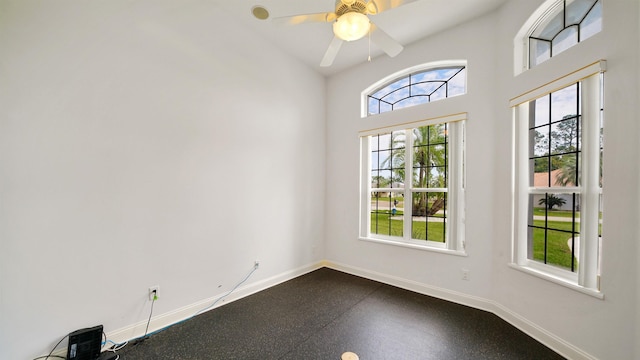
x=85 y=344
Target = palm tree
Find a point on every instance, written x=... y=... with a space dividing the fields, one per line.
x=429 y=164
x=568 y=173
x=552 y=200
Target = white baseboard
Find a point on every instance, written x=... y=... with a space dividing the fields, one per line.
x=173 y=317
x=545 y=337
x=162 y=321
x=445 y=294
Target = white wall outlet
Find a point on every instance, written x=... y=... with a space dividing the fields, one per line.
x=465 y=274
x=154 y=290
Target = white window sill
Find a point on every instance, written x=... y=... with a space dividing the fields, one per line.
x=558 y=280
x=441 y=250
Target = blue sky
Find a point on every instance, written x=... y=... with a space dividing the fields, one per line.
x=424 y=83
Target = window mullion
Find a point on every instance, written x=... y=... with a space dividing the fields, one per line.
x=408 y=184
x=365 y=188
x=520 y=186
x=590 y=182
x=455 y=236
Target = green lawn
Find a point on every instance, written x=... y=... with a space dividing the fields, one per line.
x=555 y=213
x=558 y=251
x=434 y=231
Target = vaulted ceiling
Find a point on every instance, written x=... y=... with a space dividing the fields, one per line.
x=308 y=42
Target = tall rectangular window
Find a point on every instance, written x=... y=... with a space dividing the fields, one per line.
x=558 y=181
x=554 y=168
x=413 y=185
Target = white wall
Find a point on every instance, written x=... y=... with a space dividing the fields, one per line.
x=141 y=144
x=343 y=159
x=603 y=328
x=576 y=324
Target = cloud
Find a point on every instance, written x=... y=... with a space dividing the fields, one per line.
x=420 y=88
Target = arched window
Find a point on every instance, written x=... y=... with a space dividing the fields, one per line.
x=412 y=168
x=418 y=88
x=558 y=144
x=566 y=23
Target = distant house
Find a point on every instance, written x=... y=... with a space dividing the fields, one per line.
x=542 y=179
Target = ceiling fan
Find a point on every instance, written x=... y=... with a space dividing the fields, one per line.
x=351 y=22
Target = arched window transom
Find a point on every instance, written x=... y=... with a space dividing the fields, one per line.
x=418 y=88
x=568 y=23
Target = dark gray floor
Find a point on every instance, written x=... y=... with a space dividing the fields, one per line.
x=322 y=314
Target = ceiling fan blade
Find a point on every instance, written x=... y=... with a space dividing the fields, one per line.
x=332 y=51
x=378 y=6
x=384 y=41
x=299 y=19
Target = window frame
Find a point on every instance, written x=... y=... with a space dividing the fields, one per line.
x=586 y=280
x=540 y=17
x=409 y=84
x=435 y=65
x=423 y=114
x=454 y=233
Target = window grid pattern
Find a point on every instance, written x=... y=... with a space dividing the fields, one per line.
x=430 y=179
x=418 y=88
x=575 y=21
x=554 y=159
x=387 y=173
x=426 y=205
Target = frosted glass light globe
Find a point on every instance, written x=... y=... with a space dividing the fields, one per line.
x=351 y=26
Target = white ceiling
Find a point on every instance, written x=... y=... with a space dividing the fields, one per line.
x=309 y=41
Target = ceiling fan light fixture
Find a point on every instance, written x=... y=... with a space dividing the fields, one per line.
x=351 y=26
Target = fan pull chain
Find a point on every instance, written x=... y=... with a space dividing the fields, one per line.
x=369 y=59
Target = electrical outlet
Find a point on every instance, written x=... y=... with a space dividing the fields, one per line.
x=154 y=291
x=465 y=274
x=256 y=264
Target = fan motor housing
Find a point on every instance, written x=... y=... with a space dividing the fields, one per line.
x=358 y=6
